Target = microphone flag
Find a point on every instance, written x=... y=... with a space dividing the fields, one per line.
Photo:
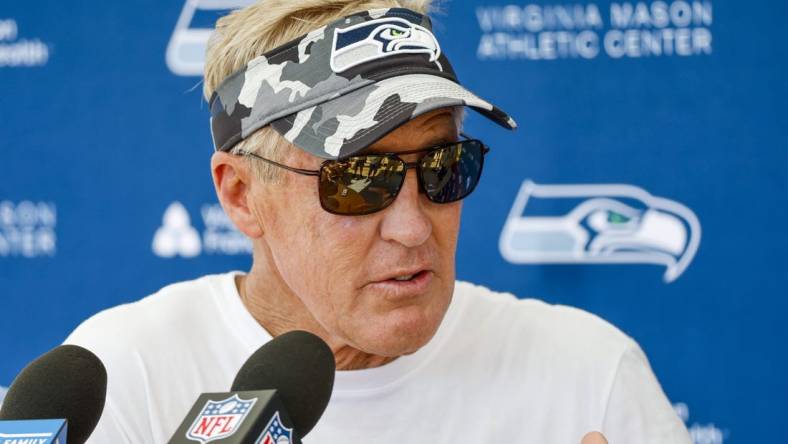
x=240 y=417
x=33 y=431
x=276 y=432
x=220 y=419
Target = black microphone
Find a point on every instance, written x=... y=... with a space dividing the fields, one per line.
x=68 y=382
x=277 y=396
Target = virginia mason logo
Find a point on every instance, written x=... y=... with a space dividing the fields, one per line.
x=212 y=233
x=599 y=224
x=176 y=236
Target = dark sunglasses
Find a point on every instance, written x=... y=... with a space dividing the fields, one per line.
x=364 y=184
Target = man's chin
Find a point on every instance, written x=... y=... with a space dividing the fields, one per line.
x=403 y=335
x=397 y=349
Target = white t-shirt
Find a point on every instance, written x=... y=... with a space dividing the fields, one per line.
x=499 y=369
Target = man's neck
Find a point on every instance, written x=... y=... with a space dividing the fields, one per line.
x=278 y=311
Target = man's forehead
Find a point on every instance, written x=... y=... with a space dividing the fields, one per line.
x=432 y=128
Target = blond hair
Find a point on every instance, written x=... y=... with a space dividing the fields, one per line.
x=249 y=32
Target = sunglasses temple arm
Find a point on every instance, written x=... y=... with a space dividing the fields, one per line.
x=281 y=165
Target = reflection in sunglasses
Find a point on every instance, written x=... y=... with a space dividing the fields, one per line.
x=359 y=185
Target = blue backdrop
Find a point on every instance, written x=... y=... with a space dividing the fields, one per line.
x=645 y=183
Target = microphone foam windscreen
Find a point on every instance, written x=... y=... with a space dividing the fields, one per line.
x=67 y=382
x=301 y=367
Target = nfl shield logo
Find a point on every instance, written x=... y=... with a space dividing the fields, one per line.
x=219 y=419
x=276 y=433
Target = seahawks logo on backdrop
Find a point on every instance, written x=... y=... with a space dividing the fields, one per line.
x=599 y=224
x=185 y=54
x=381 y=38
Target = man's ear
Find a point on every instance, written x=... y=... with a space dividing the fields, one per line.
x=232 y=180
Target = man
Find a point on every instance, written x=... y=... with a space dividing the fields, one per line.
x=360 y=96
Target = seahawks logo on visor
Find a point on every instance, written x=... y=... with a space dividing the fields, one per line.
x=380 y=38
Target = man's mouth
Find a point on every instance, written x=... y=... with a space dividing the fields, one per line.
x=404 y=284
x=407 y=277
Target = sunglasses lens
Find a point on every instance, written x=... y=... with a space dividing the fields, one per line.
x=451 y=173
x=361 y=184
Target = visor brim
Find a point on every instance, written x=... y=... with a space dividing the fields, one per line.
x=347 y=124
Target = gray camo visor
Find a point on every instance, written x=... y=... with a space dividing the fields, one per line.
x=340 y=88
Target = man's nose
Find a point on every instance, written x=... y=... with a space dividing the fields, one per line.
x=405 y=220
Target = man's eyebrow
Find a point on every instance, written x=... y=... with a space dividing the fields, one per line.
x=439 y=140
x=434 y=141
x=439 y=137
